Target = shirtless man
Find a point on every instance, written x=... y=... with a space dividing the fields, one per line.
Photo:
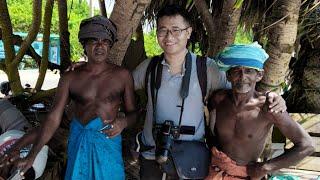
x=241 y=123
x=97 y=90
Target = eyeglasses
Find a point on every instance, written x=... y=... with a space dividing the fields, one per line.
x=176 y=32
x=94 y=41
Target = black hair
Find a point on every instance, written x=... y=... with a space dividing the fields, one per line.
x=173 y=10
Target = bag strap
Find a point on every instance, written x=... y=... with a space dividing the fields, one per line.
x=184 y=92
x=155 y=61
x=202 y=75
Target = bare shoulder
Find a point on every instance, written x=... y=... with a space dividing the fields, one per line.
x=68 y=76
x=216 y=98
x=123 y=73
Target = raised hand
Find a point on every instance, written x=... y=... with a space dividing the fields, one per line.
x=276 y=102
x=9 y=156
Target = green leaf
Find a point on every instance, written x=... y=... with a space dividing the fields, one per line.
x=238 y=4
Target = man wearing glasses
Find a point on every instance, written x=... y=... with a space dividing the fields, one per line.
x=173 y=32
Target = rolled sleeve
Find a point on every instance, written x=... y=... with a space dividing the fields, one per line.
x=139 y=74
x=216 y=78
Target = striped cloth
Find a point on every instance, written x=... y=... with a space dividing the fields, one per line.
x=251 y=56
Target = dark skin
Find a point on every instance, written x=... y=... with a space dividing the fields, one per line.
x=97 y=89
x=242 y=128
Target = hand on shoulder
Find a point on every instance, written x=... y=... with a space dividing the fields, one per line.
x=275 y=103
x=75 y=65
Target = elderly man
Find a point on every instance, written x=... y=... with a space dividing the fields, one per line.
x=97 y=90
x=241 y=122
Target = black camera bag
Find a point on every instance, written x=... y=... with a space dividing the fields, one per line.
x=191 y=159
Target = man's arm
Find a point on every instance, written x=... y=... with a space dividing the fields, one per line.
x=213 y=102
x=303 y=145
x=130 y=108
x=129 y=101
x=216 y=78
x=49 y=126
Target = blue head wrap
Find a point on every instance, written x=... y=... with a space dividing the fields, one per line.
x=251 y=56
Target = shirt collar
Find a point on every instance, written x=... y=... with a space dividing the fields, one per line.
x=164 y=63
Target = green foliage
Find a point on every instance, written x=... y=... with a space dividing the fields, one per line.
x=20 y=14
x=21 y=18
x=151 y=45
x=238 y=4
x=243 y=37
x=76 y=13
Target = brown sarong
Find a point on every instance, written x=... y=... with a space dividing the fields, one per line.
x=224 y=168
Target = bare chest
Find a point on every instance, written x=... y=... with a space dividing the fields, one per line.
x=241 y=124
x=96 y=89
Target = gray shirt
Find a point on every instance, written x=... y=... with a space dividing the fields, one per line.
x=169 y=99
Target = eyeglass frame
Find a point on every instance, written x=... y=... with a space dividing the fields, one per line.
x=170 y=30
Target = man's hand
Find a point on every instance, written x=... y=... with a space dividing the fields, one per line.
x=9 y=157
x=116 y=127
x=75 y=66
x=256 y=171
x=13 y=157
x=24 y=164
x=276 y=102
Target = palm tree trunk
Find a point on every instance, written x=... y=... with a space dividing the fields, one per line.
x=10 y=68
x=135 y=53
x=209 y=24
x=126 y=15
x=33 y=31
x=46 y=40
x=282 y=37
x=227 y=22
x=64 y=35
x=103 y=10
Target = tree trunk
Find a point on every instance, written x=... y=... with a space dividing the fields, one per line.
x=64 y=35
x=282 y=37
x=10 y=68
x=136 y=52
x=126 y=15
x=103 y=10
x=46 y=40
x=33 y=31
x=6 y=32
x=209 y=24
x=304 y=94
x=227 y=22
